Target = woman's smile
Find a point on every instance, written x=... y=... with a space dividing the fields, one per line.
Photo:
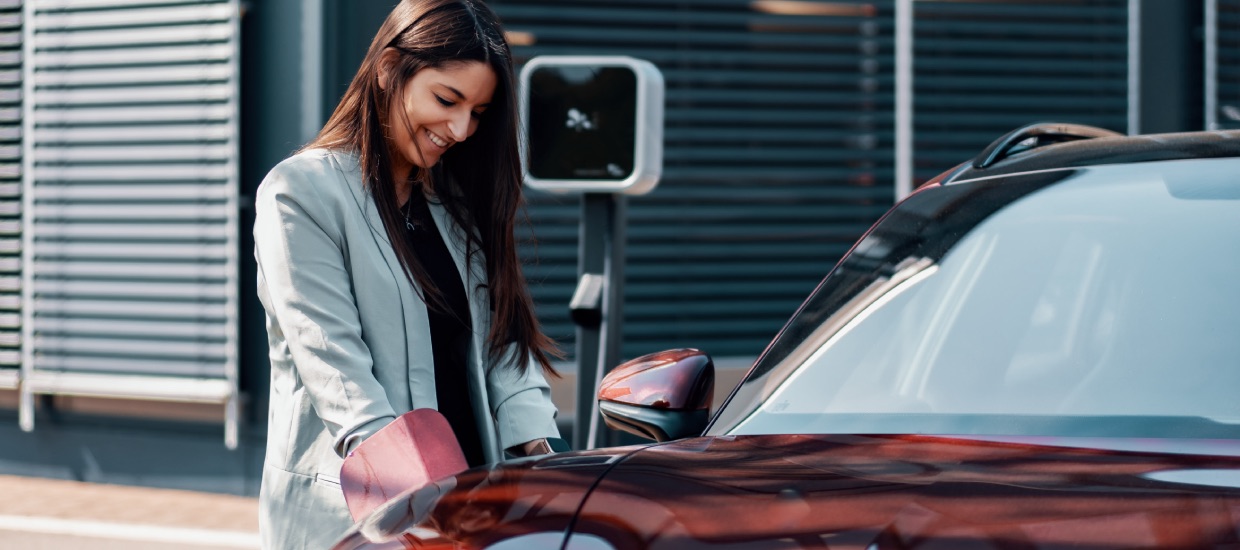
x=438 y=141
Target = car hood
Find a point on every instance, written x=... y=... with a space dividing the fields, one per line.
x=875 y=492
x=837 y=491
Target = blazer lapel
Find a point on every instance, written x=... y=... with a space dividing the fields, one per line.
x=370 y=214
x=419 y=362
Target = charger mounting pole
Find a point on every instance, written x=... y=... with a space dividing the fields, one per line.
x=597 y=308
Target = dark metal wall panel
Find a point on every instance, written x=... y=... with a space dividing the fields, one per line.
x=778 y=145
x=132 y=197
x=984 y=67
x=1228 y=32
x=10 y=190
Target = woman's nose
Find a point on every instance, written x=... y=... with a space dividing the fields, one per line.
x=459 y=126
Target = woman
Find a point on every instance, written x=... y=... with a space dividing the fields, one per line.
x=388 y=268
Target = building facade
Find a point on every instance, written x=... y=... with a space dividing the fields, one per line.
x=133 y=134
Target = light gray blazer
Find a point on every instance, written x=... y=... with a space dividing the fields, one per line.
x=350 y=344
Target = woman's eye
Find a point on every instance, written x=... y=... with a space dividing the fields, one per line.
x=476 y=114
x=444 y=102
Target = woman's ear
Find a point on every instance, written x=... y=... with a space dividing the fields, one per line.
x=387 y=60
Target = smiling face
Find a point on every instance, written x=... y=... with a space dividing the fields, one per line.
x=439 y=108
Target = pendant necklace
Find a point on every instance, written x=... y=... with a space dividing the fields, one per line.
x=409 y=223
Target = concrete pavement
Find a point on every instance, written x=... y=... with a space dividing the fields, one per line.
x=51 y=514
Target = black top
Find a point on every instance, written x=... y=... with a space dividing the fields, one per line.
x=450 y=330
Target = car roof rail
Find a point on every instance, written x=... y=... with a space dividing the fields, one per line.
x=1041 y=133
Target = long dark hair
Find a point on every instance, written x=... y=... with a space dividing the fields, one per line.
x=478 y=180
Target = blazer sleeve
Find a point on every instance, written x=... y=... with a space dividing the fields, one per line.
x=521 y=403
x=298 y=244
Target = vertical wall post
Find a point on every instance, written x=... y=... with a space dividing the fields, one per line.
x=904 y=98
x=1134 y=67
x=25 y=414
x=1210 y=82
x=311 y=68
x=232 y=324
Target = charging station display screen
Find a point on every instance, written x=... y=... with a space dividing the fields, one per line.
x=582 y=123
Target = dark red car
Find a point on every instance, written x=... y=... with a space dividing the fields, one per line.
x=1039 y=349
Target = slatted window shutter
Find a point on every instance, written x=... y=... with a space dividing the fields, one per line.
x=10 y=191
x=1227 y=101
x=982 y=68
x=132 y=111
x=777 y=157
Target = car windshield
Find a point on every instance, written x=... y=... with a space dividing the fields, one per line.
x=1090 y=302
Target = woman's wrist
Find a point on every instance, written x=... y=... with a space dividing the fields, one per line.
x=536 y=447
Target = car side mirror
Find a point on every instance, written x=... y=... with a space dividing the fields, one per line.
x=661 y=396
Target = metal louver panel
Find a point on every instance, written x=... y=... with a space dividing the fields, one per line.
x=10 y=191
x=777 y=149
x=982 y=68
x=1226 y=104
x=131 y=201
